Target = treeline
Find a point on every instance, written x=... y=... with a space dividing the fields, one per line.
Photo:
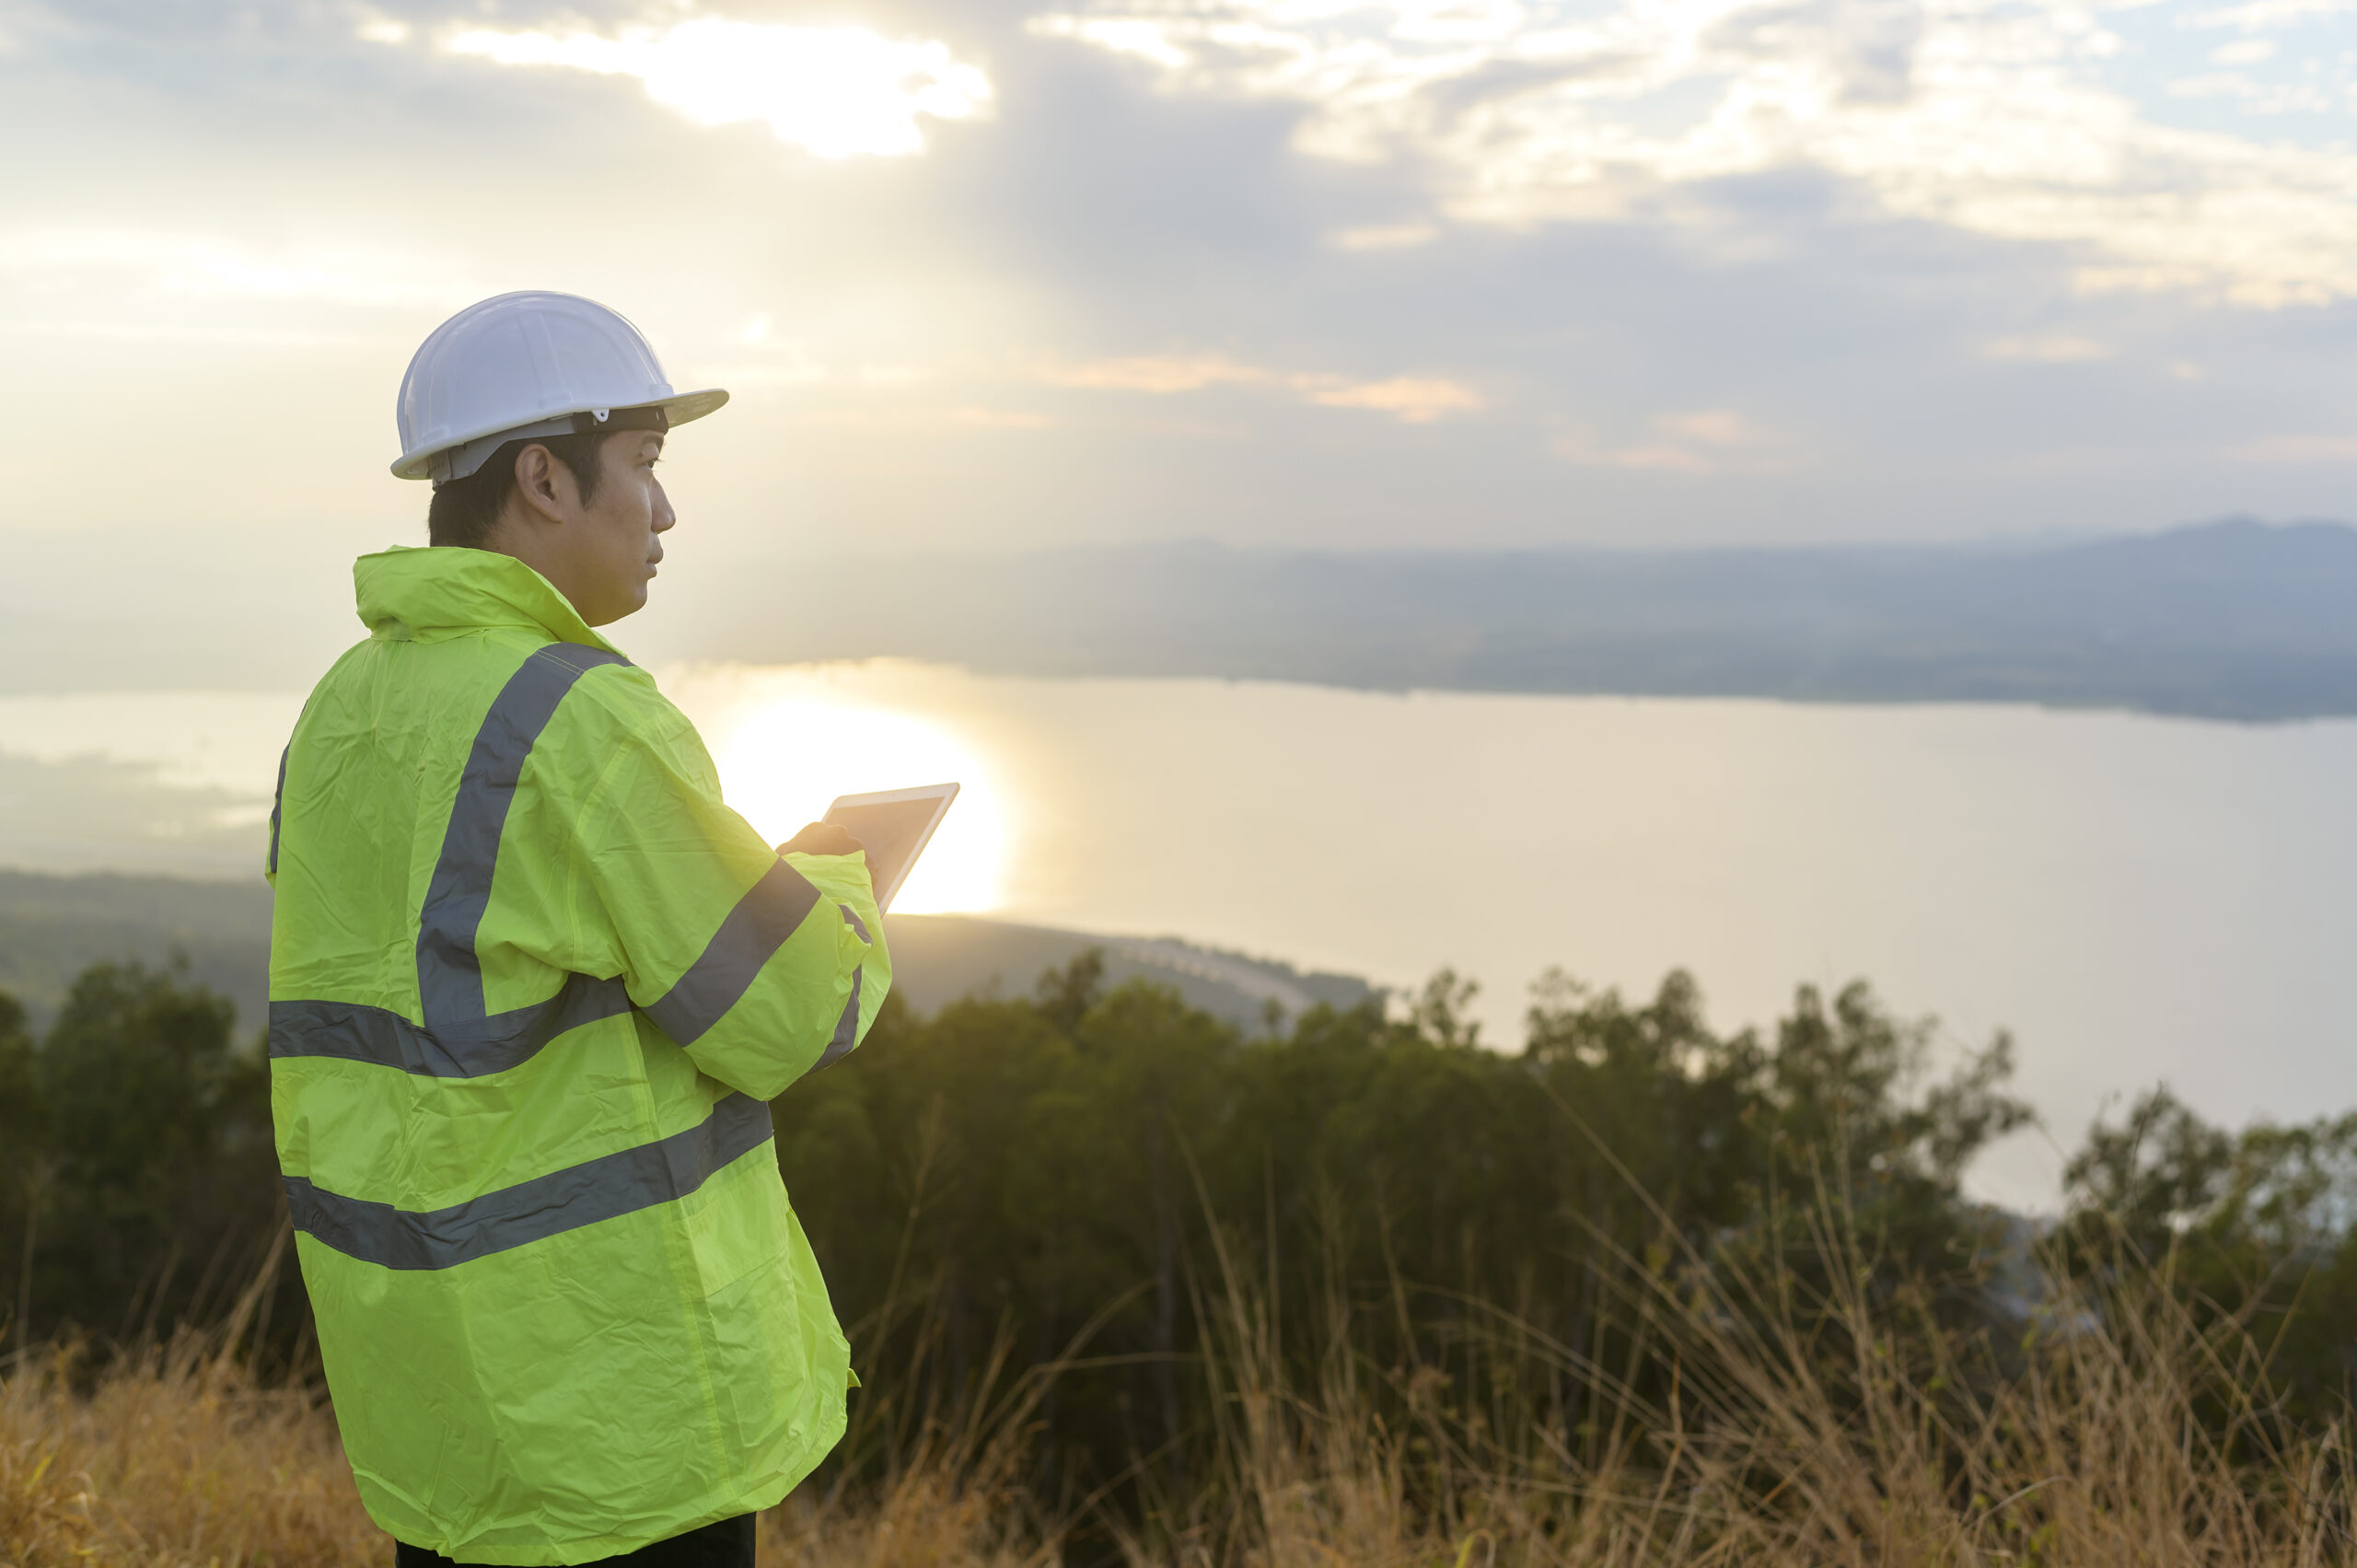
x=1111 y=1186
x=1109 y=1182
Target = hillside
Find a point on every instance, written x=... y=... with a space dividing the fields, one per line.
x=51 y=928
x=2235 y=620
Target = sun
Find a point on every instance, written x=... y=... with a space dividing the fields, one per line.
x=786 y=761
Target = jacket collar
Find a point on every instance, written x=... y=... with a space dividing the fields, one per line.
x=425 y=593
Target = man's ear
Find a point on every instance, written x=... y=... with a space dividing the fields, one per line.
x=539 y=477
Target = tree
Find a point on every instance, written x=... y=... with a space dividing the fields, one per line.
x=24 y=1150
x=160 y=1178
x=2254 y=1230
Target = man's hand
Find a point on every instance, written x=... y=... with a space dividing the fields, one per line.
x=822 y=838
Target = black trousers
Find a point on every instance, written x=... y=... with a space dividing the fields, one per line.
x=728 y=1544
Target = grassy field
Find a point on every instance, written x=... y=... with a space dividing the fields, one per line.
x=2117 y=1431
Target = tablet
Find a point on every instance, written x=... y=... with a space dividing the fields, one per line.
x=894 y=826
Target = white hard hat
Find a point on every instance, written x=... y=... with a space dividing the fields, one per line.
x=525 y=365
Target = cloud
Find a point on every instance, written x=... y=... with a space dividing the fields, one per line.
x=1701 y=441
x=91 y=330
x=999 y=419
x=835 y=92
x=1156 y=372
x=1988 y=116
x=2259 y=14
x=1385 y=236
x=1147 y=38
x=375 y=26
x=2298 y=450
x=788 y=369
x=189 y=267
x=1411 y=399
x=2255 y=98
x=927 y=419
x=24 y=25
x=2055 y=348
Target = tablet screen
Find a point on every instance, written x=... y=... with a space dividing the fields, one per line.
x=893 y=827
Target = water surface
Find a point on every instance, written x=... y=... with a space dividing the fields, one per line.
x=2136 y=898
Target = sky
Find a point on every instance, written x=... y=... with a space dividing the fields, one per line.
x=1002 y=274
x=1005 y=273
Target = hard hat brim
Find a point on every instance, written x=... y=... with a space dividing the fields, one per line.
x=680 y=407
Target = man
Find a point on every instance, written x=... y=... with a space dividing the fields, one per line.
x=532 y=984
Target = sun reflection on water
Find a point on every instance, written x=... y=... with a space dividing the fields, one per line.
x=787 y=760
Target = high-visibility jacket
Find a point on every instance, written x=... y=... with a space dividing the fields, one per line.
x=532 y=984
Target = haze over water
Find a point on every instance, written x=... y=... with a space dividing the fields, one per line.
x=2136 y=898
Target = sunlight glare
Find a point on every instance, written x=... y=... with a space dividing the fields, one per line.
x=836 y=92
x=787 y=762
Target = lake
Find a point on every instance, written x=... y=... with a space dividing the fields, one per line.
x=2136 y=898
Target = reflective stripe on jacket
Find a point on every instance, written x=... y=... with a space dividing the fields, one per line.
x=531 y=985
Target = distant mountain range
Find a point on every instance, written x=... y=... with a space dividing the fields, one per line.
x=53 y=927
x=2235 y=620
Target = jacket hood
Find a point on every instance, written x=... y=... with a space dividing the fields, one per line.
x=423 y=594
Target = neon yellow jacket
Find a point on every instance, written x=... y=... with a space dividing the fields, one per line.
x=531 y=985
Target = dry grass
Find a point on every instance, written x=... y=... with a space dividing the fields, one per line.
x=1801 y=1430
x=2122 y=1434
x=174 y=1456
x=178 y=1461
x=172 y=1460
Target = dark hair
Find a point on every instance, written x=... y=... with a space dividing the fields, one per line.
x=464 y=511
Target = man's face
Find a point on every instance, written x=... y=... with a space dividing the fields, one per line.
x=611 y=546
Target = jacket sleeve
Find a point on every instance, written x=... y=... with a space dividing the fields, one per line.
x=278 y=813
x=278 y=793
x=762 y=966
